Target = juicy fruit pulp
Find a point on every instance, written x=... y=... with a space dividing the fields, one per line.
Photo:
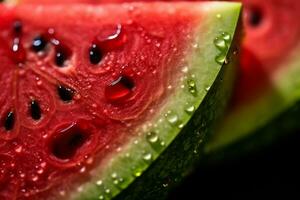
x=272 y=35
x=74 y=93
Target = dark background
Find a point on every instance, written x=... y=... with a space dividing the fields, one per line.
x=270 y=173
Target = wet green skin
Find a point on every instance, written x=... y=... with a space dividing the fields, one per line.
x=152 y=178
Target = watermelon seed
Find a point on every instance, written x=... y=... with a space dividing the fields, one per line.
x=9 y=121
x=35 y=110
x=65 y=94
x=65 y=145
x=38 y=44
x=17 y=27
x=60 y=57
x=254 y=17
x=119 y=89
x=95 y=54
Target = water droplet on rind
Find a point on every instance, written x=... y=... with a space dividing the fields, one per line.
x=152 y=137
x=137 y=172
x=147 y=156
x=220 y=43
x=192 y=87
x=227 y=37
x=172 y=118
x=220 y=59
x=190 y=109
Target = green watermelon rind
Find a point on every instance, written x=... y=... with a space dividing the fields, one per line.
x=257 y=124
x=121 y=169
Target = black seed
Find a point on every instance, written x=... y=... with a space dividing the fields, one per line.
x=38 y=44
x=17 y=26
x=125 y=81
x=65 y=94
x=9 y=121
x=255 y=17
x=1 y=1
x=35 y=110
x=60 y=58
x=95 y=54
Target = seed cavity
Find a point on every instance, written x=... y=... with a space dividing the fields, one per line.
x=95 y=54
x=38 y=44
x=35 y=110
x=68 y=141
x=119 y=89
x=65 y=94
x=9 y=121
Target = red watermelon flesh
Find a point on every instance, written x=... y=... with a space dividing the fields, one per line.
x=77 y=81
x=272 y=31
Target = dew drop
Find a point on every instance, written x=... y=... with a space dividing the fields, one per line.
x=114 y=175
x=220 y=43
x=220 y=59
x=226 y=36
x=99 y=182
x=152 y=137
x=219 y=16
x=172 y=118
x=19 y=53
x=62 y=192
x=147 y=156
x=101 y=197
x=190 y=109
x=137 y=173
x=185 y=69
x=192 y=86
x=180 y=126
x=19 y=149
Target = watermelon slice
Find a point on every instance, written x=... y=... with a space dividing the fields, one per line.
x=93 y=95
x=265 y=104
